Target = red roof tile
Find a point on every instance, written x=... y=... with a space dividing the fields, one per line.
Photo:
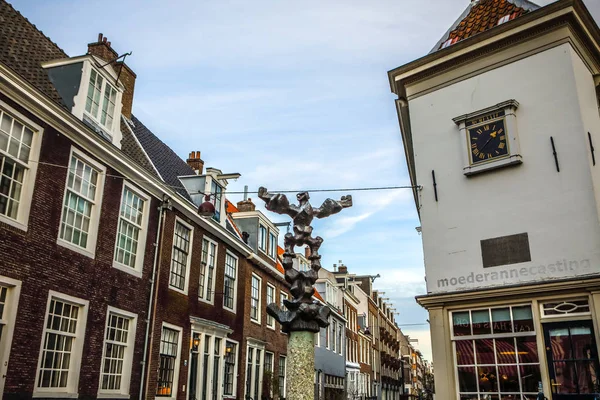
x=484 y=15
x=318 y=295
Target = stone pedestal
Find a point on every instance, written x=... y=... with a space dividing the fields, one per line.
x=301 y=366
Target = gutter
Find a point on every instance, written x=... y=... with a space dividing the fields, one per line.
x=153 y=296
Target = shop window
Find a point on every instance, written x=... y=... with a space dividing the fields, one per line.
x=496 y=353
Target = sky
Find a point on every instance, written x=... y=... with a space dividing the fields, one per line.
x=291 y=94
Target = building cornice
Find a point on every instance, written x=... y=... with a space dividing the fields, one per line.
x=525 y=290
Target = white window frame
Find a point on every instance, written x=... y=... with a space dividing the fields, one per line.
x=262 y=241
x=177 y=359
x=127 y=358
x=258 y=313
x=235 y=368
x=272 y=245
x=105 y=85
x=283 y=296
x=334 y=336
x=284 y=357
x=189 y=256
x=7 y=319
x=272 y=371
x=252 y=373
x=141 y=249
x=206 y=290
x=235 y=281
x=22 y=221
x=270 y=319
x=71 y=390
x=90 y=249
x=341 y=335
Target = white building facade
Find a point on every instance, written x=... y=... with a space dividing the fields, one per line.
x=499 y=131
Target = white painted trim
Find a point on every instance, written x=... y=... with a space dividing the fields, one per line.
x=286 y=297
x=235 y=368
x=22 y=220
x=10 y=314
x=189 y=256
x=127 y=359
x=266 y=241
x=143 y=233
x=235 y=282
x=270 y=286
x=90 y=249
x=258 y=319
x=214 y=281
x=75 y=366
x=177 y=359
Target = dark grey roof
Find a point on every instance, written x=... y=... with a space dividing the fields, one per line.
x=23 y=48
x=133 y=149
x=167 y=163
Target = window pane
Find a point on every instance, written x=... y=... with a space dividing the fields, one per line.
x=501 y=320
x=527 y=349
x=509 y=378
x=581 y=339
x=481 y=322
x=464 y=352
x=485 y=351
x=561 y=347
x=505 y=351
x=488 y=379
x=587 y=377
x=530 y=376
x=467 y=381
x=566 y=377
x=523 y=319
x=461 y=323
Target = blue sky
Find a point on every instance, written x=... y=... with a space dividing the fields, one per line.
x=292 y=95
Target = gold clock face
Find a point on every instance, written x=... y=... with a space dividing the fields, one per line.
x=487 y=141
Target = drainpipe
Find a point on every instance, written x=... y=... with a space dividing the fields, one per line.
x=164 y=205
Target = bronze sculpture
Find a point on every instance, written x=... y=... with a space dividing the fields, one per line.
x=302 y=314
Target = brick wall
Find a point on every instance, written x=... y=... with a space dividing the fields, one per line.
x=176 y=308
x=35 y=258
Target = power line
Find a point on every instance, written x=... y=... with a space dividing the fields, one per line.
x=423 y=323
x=242 y=192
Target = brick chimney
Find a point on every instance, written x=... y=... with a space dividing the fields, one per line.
x=343 y=269
x=195 y=162
x=102 y=49
x=246 y=205
x=306 y=251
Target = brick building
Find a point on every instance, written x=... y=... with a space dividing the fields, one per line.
x=111 y=283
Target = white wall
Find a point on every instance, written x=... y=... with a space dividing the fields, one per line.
x=557 y=210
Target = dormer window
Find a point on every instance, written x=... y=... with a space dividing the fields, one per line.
x=272 y=245
x=100 y=101
x=97 y=99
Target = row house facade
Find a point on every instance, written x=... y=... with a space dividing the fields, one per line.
x=331 y=342
x=111 y=283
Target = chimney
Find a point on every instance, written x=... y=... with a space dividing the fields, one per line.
x=343 y=269
x=306 y=251
x=194 y=161
x=103 y=50
x=246 y=205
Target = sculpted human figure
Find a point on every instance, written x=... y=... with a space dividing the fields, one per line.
x=302 y=313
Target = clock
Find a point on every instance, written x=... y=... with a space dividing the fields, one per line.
x=487 y=141
x=489 y=138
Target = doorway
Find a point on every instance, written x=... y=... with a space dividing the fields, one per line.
x=572 y=359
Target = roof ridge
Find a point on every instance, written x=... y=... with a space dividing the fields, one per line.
x=36 y=28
